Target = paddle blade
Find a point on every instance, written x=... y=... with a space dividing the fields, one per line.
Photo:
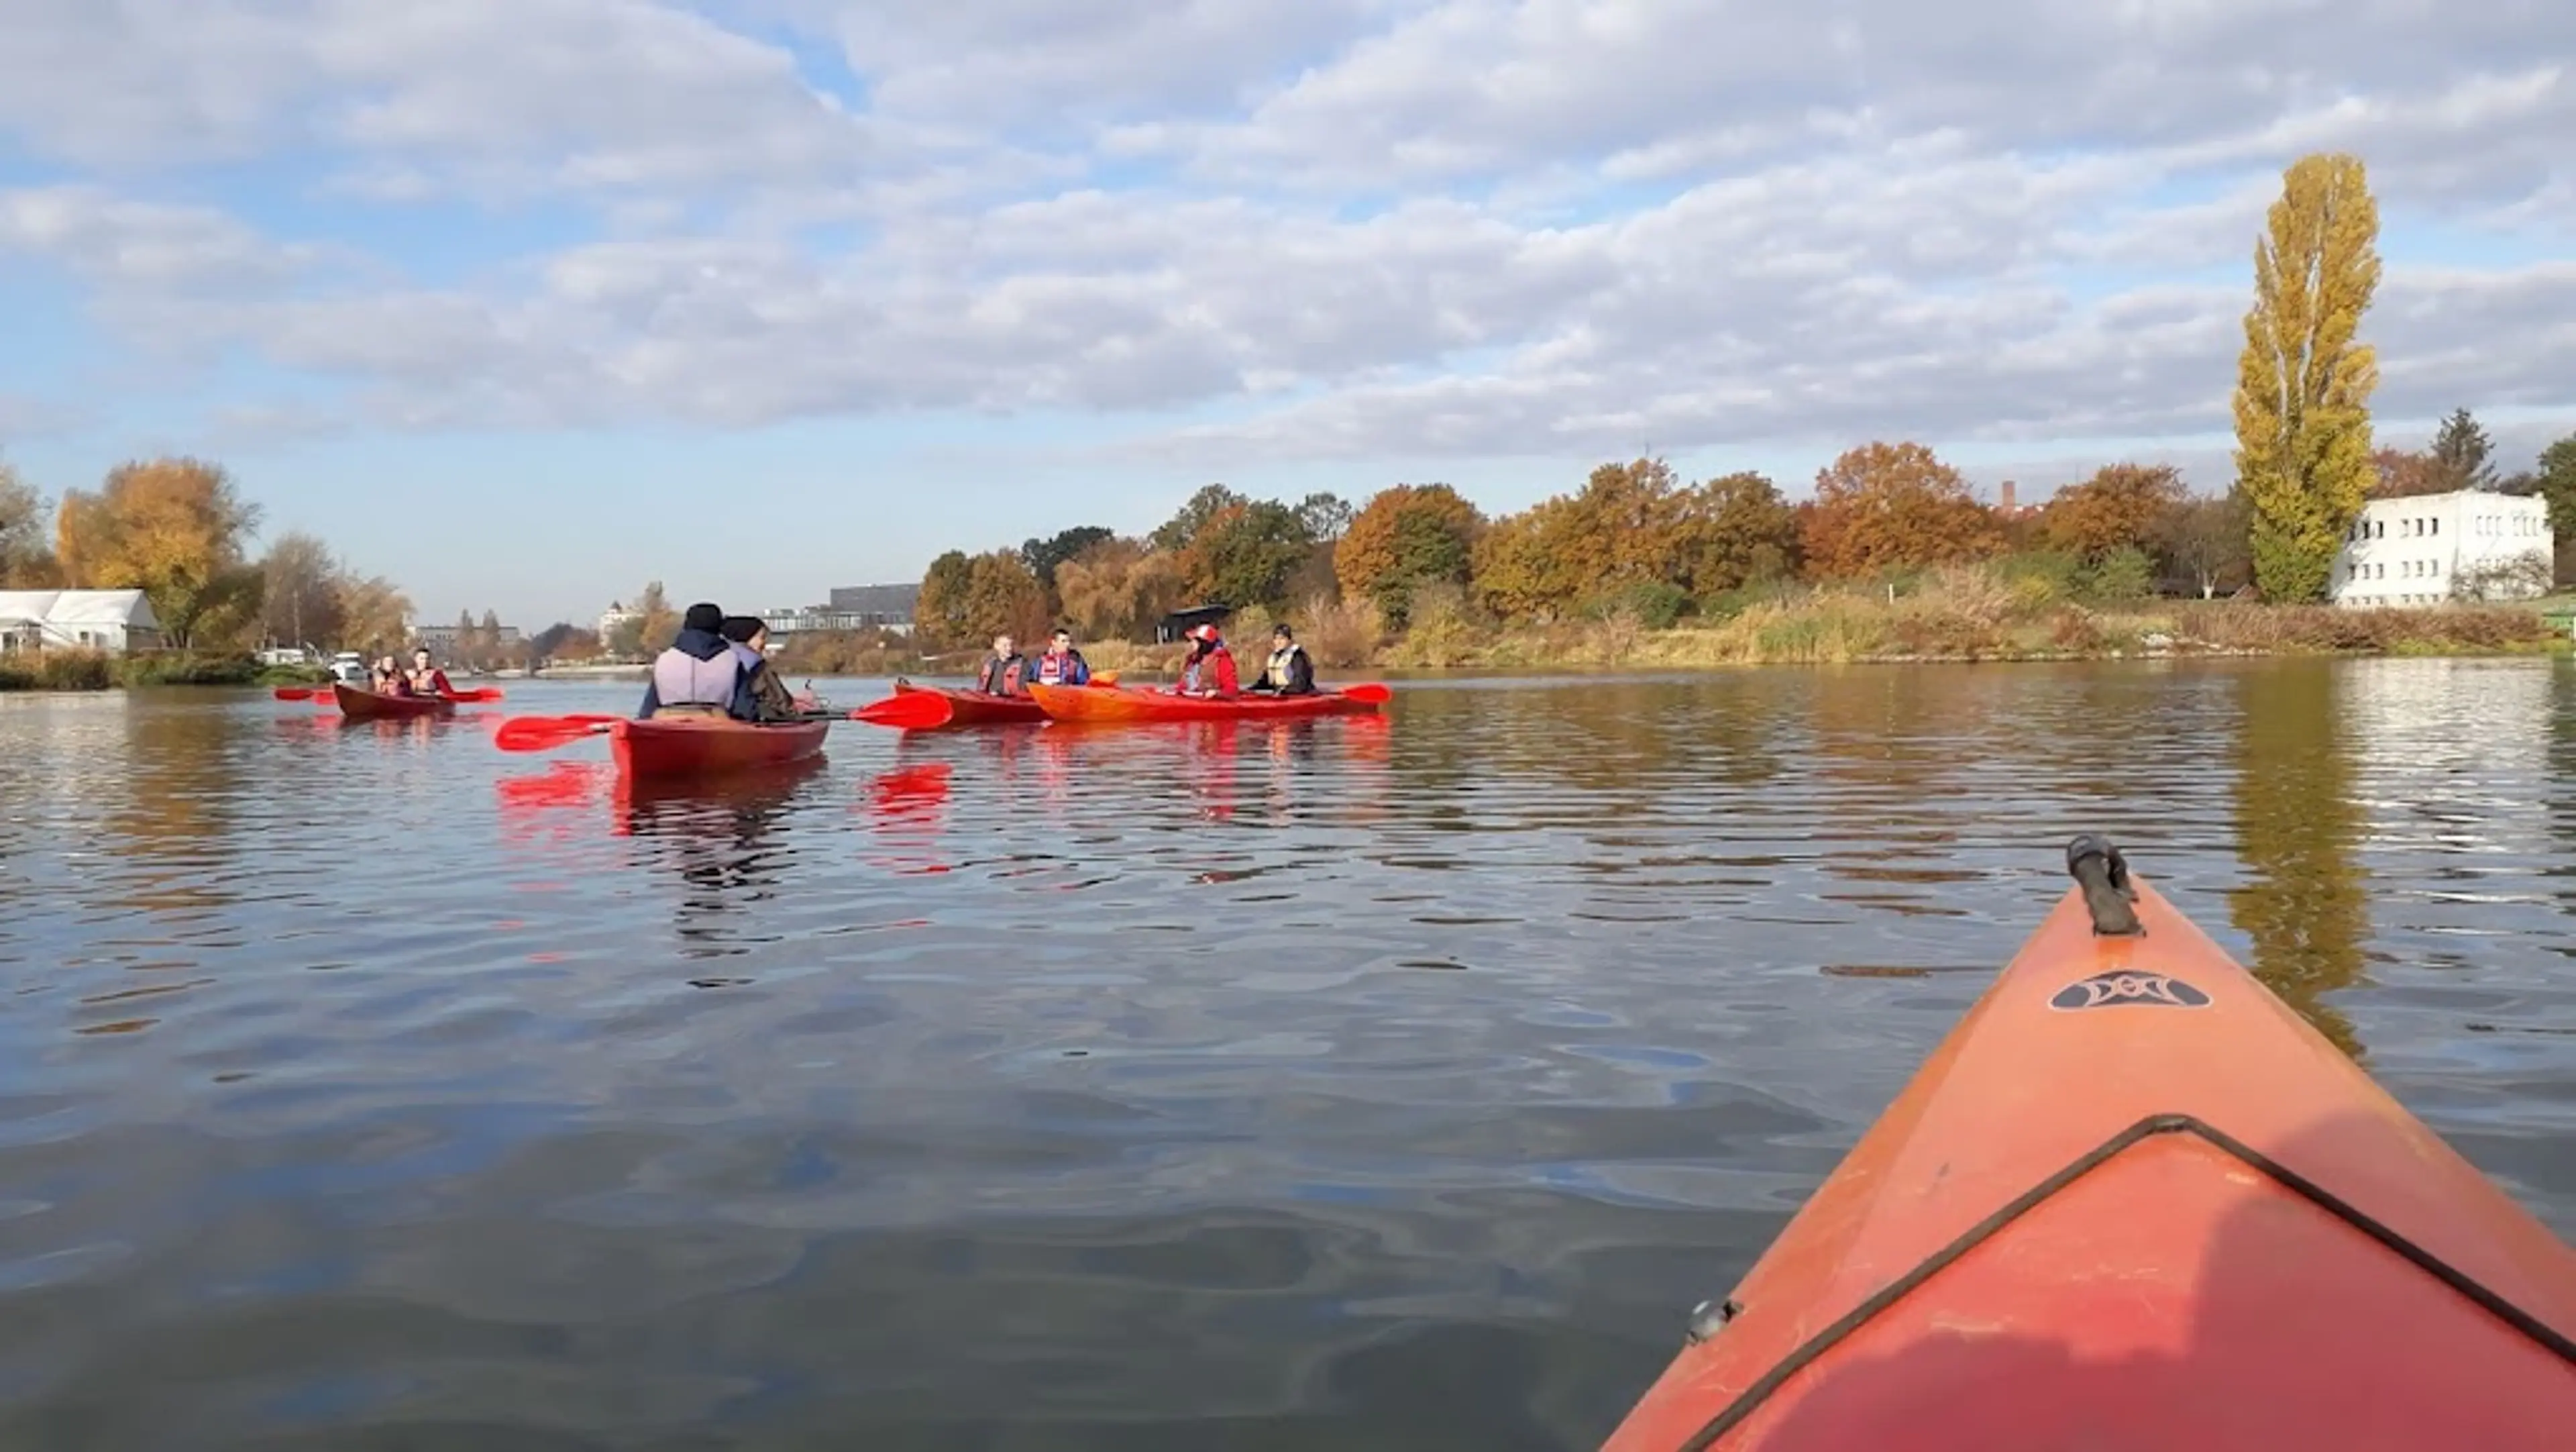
x=298 y=693
x=908 y=711
x=545 y=733
x=1370 y=692
x=479 y=693
x=1104 y=678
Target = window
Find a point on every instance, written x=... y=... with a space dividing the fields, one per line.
x=2436 y=522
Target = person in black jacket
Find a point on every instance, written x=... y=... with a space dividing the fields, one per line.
x=1289 y=671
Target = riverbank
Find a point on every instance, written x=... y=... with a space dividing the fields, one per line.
x=93 y=670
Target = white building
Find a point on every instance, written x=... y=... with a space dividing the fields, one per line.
x=2428 y=548
x=614 y=616
x=109 y=620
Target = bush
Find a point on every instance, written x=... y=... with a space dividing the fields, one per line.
x=1340 y=634
x=1443 y=632
x=55 y=670
x=186 y=670
x=2120 y=577
x=1649 y=604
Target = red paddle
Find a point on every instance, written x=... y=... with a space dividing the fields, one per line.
x=302 y=693
x=1370 y=692
x=907 y=711
x=545 y=733
x=479 y=693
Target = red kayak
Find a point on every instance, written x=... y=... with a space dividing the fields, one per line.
x=365 y=705
x=1127 y=703
x=976 y=708
x=2135 y=1203
x=686 y=746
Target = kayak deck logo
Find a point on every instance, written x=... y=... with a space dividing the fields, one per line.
x=2126 y=986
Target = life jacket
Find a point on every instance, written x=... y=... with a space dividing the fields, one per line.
x=1054 y=668
x=1001 y=677
x=683 y=676
x=1280 y=673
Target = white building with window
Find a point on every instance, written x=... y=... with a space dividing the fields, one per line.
x=2429 y=548
x=111 y=620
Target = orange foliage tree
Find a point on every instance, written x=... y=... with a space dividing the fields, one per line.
x=2120 y=507
x=1407 y=536
x=1735 y=530
x=175 y=529
x=1893 y=507
x=1118 y=588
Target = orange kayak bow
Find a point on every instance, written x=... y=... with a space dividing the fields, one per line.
x=2134 y=1202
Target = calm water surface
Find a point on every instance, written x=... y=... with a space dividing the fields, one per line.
x=1335 y=1085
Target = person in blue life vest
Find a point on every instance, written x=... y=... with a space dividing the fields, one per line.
x=1289 y=671
x=700 y=675
x=1005 y=671
x=749 y=637
x=1061 y=664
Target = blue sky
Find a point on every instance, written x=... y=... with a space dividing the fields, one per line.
x=525 y=304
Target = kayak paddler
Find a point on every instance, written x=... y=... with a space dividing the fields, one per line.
x=385 y=678
x=1004 y=670
x=425 y=679
x=699 y=675
x=770 y=698
x=1062 y=665
x=1210 y=669
x=1289 y=671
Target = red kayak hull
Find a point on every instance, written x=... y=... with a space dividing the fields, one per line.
x=2135 y=1202
x=976 y=708
x=691 y=746
x=1126 y=703
x=361 y=705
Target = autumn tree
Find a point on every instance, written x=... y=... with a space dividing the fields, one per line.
x=2206 y=540
x=1118 y=588
x=1177 y=533
x=2405 y=473
x=939 y=614
x=1734 y=530
x=1044 y=555
x=1517 y=571
x=26 y=558
x=173 y=528
x=1887 y=507
x=375 y=615
x=656 y=623
x=1002 y=595
x=2464 y=452
x=300 y=593
x=1244 y=554
x=1407 y=536
x=2120 y=507
x=2304 y=381
x=562 y=640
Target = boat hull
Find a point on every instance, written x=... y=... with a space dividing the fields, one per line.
x=364 y=705
x=977 y=708
x=2134 y=1201
x=690 y=746
x=1127 y=704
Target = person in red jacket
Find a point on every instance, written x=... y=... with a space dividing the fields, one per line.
x=426 y=679
x=1210 y=668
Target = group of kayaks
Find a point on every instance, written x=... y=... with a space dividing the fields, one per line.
x=932 y=708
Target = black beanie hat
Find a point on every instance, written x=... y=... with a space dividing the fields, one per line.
x=702 y=616
x=741 y=628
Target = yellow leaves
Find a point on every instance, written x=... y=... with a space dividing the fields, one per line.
x=173 y=528
x=2304 y=381
x=1406 y=536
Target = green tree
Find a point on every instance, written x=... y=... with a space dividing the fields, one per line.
x=1182 y=530
x=1043 y=555
x=1735 y=530
x=940 y=615
x=2555 y=482
x=2304 y=382
x=2463 y=450
x=1244 y=555
x=1326 y=516
x=26 y=562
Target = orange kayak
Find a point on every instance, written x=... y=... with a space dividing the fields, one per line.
x=680 y=746
x=1127 y=703
x=364 y=705
x=2135 y=1202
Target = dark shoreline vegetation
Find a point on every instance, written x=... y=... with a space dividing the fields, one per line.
x=83 y=669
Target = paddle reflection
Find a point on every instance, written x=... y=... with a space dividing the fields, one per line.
x=907 y=808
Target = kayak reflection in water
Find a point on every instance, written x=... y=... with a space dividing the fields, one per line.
x=1004 y=671
x=699 y=675
x=1210 y=669
x=771 y=700
x=1289 y=671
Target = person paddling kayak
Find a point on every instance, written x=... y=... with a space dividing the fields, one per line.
x=1289 y=671
x=1062 y=665
x=1004 y=670
x=699 y=675
x=771 y=700
x=385 y=678
x=1210 y=669
x=425 y=679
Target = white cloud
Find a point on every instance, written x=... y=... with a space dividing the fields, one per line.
x=1358 y=228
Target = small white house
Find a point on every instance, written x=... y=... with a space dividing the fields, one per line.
x=116 y=621
x=2428 y=548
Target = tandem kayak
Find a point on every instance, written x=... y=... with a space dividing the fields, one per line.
x=1127 y=703
x=363 y=705
x=976 y=708
x=2134 y=1201
x=683 y=746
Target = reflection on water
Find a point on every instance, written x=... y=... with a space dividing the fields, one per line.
x=1339 y=1083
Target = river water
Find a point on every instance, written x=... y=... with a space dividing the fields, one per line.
x=1349 y=1084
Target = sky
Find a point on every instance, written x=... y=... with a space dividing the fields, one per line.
x=526 y=303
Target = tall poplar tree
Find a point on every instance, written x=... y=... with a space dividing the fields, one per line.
x=2303 y=385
